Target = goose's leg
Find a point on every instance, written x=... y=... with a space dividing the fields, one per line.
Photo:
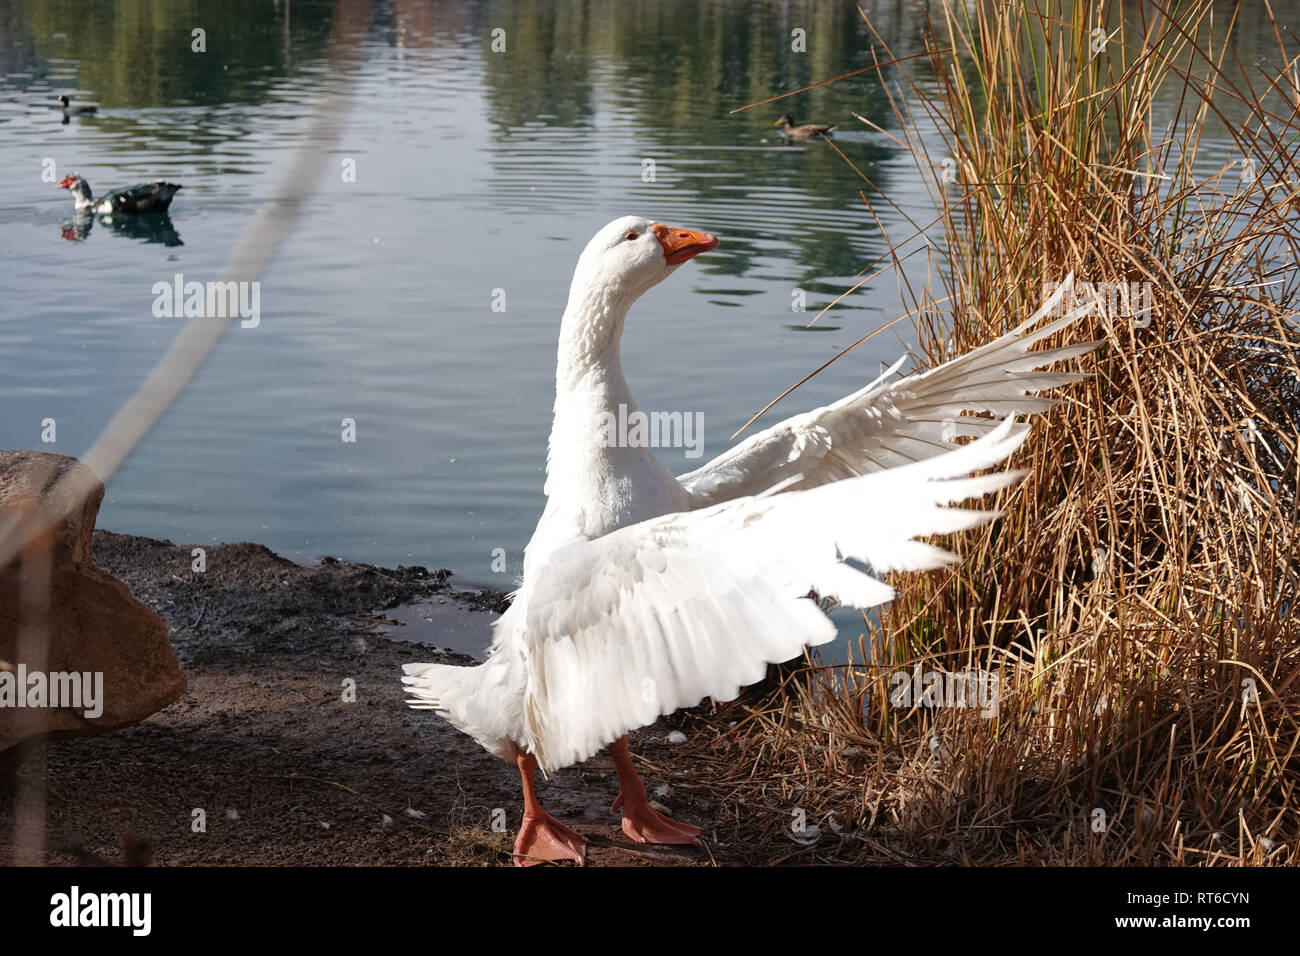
x=541 y=836
x=640 y=822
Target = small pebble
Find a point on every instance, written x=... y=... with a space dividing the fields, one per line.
x=677 y=737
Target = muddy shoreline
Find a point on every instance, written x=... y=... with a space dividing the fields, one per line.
x=284 y=770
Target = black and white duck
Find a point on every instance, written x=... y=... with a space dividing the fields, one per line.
x=142 y=197
x=70 y=110
x=807 y=131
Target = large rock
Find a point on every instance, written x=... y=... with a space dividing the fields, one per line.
x=92 y=625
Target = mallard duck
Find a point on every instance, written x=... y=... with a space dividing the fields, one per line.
x=807 y=131
x=643 y=592
x=70 y=110
x=142 y=197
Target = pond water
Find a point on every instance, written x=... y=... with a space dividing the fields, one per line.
x=479 y=176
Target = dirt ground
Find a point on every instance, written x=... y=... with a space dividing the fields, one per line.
x=286 y=771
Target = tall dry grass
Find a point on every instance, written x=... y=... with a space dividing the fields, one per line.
x=1135 y=598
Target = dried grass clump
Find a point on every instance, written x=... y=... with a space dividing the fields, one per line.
x=1135 y=597
x=472 y=841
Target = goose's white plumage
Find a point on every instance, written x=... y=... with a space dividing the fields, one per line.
x=643 y=593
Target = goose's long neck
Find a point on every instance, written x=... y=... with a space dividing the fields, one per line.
x=596 y=481
x=589 y=382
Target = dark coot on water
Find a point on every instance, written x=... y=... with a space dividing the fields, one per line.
x=70 y=110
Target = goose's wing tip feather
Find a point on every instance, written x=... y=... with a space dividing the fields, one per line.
x=892 y=423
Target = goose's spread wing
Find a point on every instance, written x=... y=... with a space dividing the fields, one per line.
x=882 y=426
x=661 y=614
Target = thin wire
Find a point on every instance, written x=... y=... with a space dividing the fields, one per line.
x=34 y=596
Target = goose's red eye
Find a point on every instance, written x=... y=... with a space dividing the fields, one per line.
x=630 y=235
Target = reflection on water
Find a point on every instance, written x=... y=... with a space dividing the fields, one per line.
x=144 y=227
x=476 y=172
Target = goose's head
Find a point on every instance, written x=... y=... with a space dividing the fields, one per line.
x=624 y=260
x=64 y=100
x=631 y=255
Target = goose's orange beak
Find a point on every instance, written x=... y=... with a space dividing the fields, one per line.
x=682 y=244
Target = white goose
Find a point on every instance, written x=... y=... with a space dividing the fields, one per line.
x=643 y=593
